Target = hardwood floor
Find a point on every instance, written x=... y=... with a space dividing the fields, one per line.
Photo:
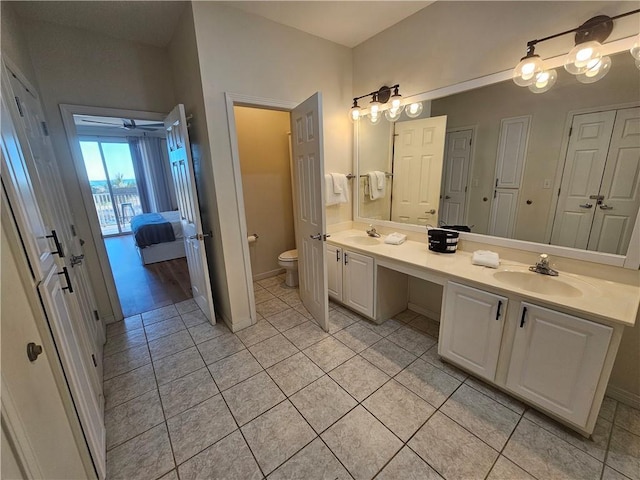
x=142 y=288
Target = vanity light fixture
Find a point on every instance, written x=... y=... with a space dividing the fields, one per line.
x=387 y=101
x=585 y=60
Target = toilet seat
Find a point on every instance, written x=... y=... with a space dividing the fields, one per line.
x=288 y=256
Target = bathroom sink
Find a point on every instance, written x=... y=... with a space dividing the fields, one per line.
x=537 y=283
x=362 y=240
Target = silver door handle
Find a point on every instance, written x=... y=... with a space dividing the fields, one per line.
x=605 y=207
x=596 y=197
x=199 y=236
x=316 y=237
x=586 y=205
x=431 y=212
x=76 y=260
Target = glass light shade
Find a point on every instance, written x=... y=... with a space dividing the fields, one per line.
x=374 y=118
x=638 y=64
x=393 y=114
x=355 y=113
x=525 y=72
x=581 y=56
x=596 y=70
x=635 y=50
x=544 y=81
x=413 y=110
x=374 y=106
x=396 y=100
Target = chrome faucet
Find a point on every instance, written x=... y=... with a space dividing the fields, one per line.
x=372 y=232
x=542 y=266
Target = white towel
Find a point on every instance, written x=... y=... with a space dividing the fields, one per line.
x=377 y=184
x=395 y=238
x=339 y=182
x=486 y=258
x=331 y=196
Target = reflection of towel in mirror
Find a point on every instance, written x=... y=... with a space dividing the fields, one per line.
x=336 y=189
x=377 y=184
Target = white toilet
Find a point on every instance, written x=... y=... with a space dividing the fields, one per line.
x=289 y=261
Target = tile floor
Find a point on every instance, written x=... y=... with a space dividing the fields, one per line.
x=285 y=400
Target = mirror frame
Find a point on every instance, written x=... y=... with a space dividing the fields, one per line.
x=631 y=260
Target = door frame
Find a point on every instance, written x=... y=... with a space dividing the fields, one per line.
x=632 y=257
x=68 y=111
x=472 y=156
x=232 y=100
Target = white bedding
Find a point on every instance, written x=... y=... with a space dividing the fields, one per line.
x=175 y=220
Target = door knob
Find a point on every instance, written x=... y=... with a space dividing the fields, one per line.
x=586 y=205
x=605 y=207
x=33 y=351
x=447 y=197
x=431 y=212
x=76 y=260
x=316 y=237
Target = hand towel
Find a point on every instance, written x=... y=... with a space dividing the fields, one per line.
x=486 y=258
x=377 y=184
x=395 y=238
x=331 y=197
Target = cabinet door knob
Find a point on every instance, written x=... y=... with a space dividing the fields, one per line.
x=33 y=351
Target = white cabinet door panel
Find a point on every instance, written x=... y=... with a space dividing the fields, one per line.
x=334 y=272
x=358 y=282
x=472 y=329
x=557 y=361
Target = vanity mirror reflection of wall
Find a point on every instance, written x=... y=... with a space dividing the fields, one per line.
x=514 y=167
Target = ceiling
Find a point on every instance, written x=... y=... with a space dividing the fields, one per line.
x=153 y=22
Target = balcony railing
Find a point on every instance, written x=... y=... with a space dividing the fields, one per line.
x=127 y=202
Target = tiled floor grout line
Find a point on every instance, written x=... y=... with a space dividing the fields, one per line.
x=358 y=403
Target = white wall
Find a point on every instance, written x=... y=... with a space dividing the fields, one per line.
x=79 y=67
x=246 y=54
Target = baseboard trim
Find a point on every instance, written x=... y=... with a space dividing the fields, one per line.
x=623 y=396
x=109 y=319
x=272 y=273
x=432 y=314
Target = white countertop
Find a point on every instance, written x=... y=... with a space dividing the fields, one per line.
x=599 y=299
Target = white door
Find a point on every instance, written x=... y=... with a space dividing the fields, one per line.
x=33 y=413
x=457 y=157
x=54 y=205
x=581 y=179
x=615 y=217
x=502 y=219
x=308 y=170
x=512 y=151
x=472 y=326
x=334 y=272
x=417 y=170
x=187 y=196
x=358 y=277
x=557 y=360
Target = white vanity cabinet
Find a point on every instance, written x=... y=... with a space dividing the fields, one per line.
x=471 y=329
x=351 y=279
x=557 y=361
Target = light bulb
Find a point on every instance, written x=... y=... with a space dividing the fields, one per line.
x=544 y=81
x=581 y=55
x=525 y=72
x=635 y=50
x=354 y=113
x=374 y=105
x=392 y=114
x=374 y=118
x=596 y=69
x=413 y=110
x=396 y=99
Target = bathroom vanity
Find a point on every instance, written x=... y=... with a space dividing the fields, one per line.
x=549 y=341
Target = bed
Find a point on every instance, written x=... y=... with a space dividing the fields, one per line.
x=158 y=236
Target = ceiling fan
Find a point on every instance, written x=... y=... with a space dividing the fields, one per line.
x=129 y=124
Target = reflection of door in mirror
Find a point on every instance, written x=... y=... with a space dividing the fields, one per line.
x=453 y=194
x=599 y=195
x=417 y=170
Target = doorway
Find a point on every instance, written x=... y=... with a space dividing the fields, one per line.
x=453 y=193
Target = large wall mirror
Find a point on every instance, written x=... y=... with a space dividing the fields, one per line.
x=560 y=168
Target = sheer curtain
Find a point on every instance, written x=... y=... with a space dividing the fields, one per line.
x=153 y=172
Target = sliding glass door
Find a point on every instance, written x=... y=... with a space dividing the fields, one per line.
x=113 y=183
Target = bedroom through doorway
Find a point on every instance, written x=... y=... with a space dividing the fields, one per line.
x=127 y=170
